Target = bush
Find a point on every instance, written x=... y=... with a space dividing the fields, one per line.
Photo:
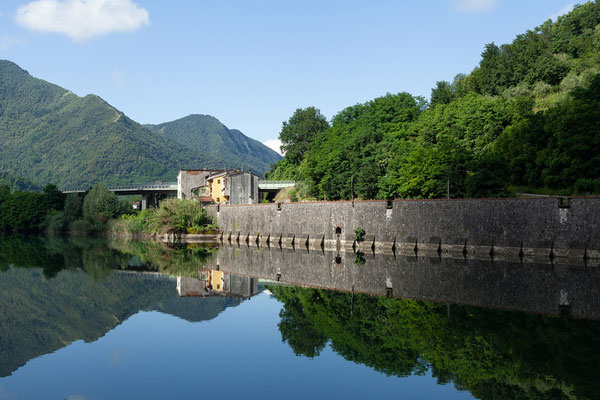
x=84 y=226
x=100 y=205
x=56 y=222
x=177 y=215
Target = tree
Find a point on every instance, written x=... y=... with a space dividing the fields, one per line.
x=100 y=205
x=54 y=198
x=298 y=132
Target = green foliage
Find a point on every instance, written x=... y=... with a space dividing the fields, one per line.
x=172 y=216
x=73 y=206
x=206 y=135
x=359 y=234
x=298 y=132
x=31 y=211
x=48 y=134
x=174 y=261
x=16 y=183
x=359 y=258
x=355 y=150
x=527 y=116
x=493 y=354
x=100 y=205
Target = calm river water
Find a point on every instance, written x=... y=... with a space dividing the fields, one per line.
x=88 y=319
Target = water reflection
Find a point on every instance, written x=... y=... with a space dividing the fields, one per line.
x=56 y=291
x=494 y=354
x=496 y=329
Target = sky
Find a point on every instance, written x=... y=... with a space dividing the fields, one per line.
x=252 y=63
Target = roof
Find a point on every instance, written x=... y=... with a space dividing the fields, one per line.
x=216 y=175
x=242 y=173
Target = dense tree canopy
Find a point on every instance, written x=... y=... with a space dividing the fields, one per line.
x=297 y=133
x=525 y=118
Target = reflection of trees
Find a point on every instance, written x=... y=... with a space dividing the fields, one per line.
x=297 y=329
x=185 y=260
x=494 y=354
x=55 y=254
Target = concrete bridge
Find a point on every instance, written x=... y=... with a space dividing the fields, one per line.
x=152 y=192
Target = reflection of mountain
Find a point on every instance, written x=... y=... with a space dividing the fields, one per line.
x=493 y=354
x=39 y=316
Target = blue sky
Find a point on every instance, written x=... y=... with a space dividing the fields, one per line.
x=252 y=63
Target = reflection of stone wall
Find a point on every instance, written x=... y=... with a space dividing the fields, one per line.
x=529 y=287
x=534 y=226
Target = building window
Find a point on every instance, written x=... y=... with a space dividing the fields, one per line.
x=218 y=181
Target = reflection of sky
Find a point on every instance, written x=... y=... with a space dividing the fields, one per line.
x=237 y=355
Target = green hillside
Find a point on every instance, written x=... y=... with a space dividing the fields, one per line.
x=206 y=133
x=50 y=135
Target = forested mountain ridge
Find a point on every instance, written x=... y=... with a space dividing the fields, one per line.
x=526 y=118
x=50 y=135
x=206 y=133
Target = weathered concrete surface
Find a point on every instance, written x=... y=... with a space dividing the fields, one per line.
x=528 y=227
x=527 y=287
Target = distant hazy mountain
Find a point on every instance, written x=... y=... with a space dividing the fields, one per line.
x=48 y=134
x=206 y=133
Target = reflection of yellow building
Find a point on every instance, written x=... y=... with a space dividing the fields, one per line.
x=216 y=184
x=215 y=279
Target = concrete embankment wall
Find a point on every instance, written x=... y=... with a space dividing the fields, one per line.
x=539 y=227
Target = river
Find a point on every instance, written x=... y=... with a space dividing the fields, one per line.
x=92 y=319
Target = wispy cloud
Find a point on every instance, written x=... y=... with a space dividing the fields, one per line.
x=81 y=20
x=274 y=144
x=6 y=42
x=474 y=5
x=118 y=78
x=565 y=10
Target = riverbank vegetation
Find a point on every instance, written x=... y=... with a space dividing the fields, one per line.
x=527 y=118
x=177 y=216
x=98 y=212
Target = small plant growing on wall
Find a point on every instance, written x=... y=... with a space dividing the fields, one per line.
x=359 y=234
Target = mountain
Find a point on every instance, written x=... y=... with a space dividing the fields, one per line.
x=206 y=133
x=16 y=183
x=50 y=135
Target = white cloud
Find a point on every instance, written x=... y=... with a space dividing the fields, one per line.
x=274 y=144
x=565 y=10
x=82 y=19
x=7 y=42
x=474 y=5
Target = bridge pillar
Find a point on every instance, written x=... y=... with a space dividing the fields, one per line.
x=149 y=200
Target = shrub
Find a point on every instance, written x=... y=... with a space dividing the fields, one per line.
x=359 y=234
x=56 y=222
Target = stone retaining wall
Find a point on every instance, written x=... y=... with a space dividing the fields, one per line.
x=525 y=227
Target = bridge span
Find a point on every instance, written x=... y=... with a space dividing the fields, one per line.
x=152 y=192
